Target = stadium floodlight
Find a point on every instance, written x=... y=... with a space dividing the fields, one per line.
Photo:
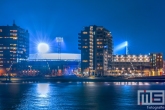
x=121 y=46
x=126 y=46
x=126 y=43
x=59 y=39
x=43 y=47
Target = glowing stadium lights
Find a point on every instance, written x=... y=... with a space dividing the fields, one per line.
x=43 y=47
x=123 y=45
x=126 y=43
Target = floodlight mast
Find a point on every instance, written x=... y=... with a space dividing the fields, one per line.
x=126 y=48
x=59 y=40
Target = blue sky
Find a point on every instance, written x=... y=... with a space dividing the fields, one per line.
x=140 y=22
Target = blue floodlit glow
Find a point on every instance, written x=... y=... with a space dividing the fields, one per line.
x=43 y=47
x=121 y=46
x=126 y=43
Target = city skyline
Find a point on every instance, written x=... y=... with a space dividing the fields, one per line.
x=125 y=19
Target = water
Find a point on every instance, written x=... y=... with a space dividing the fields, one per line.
x=74 y=95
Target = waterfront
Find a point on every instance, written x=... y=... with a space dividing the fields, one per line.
x=77 y=79
x=74 y=95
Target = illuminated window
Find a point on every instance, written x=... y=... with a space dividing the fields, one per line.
x=0 y=30
x=13 y=34
x=1 y=54
x=85 y=47
x=85 y=33
x=13 y=30
x=99 y=43
x=85 y=61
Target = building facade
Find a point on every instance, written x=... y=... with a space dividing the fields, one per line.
x=14 y=47
x=137 y=65
x=50 y=64
x=156 y=60
x=163 y=67
x=95 y=43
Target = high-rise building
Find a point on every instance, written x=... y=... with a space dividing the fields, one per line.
x=95 y=43
x=14 y=47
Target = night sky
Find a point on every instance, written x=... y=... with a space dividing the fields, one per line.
x=140 y=22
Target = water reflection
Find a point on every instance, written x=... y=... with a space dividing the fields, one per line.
x=43 y=90
x=73 y=96
x=137 y=83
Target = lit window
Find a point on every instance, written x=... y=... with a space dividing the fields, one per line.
x=91 y=27
x=13 y=30
x=0 y=30
x=85 y=61
x=13 y=34
x=85 y=33
x=85 y=47
x=99 y=43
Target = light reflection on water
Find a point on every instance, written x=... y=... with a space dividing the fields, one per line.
x=74 y=95
x=43 y=90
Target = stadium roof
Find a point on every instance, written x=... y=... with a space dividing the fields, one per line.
x=55 y=56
